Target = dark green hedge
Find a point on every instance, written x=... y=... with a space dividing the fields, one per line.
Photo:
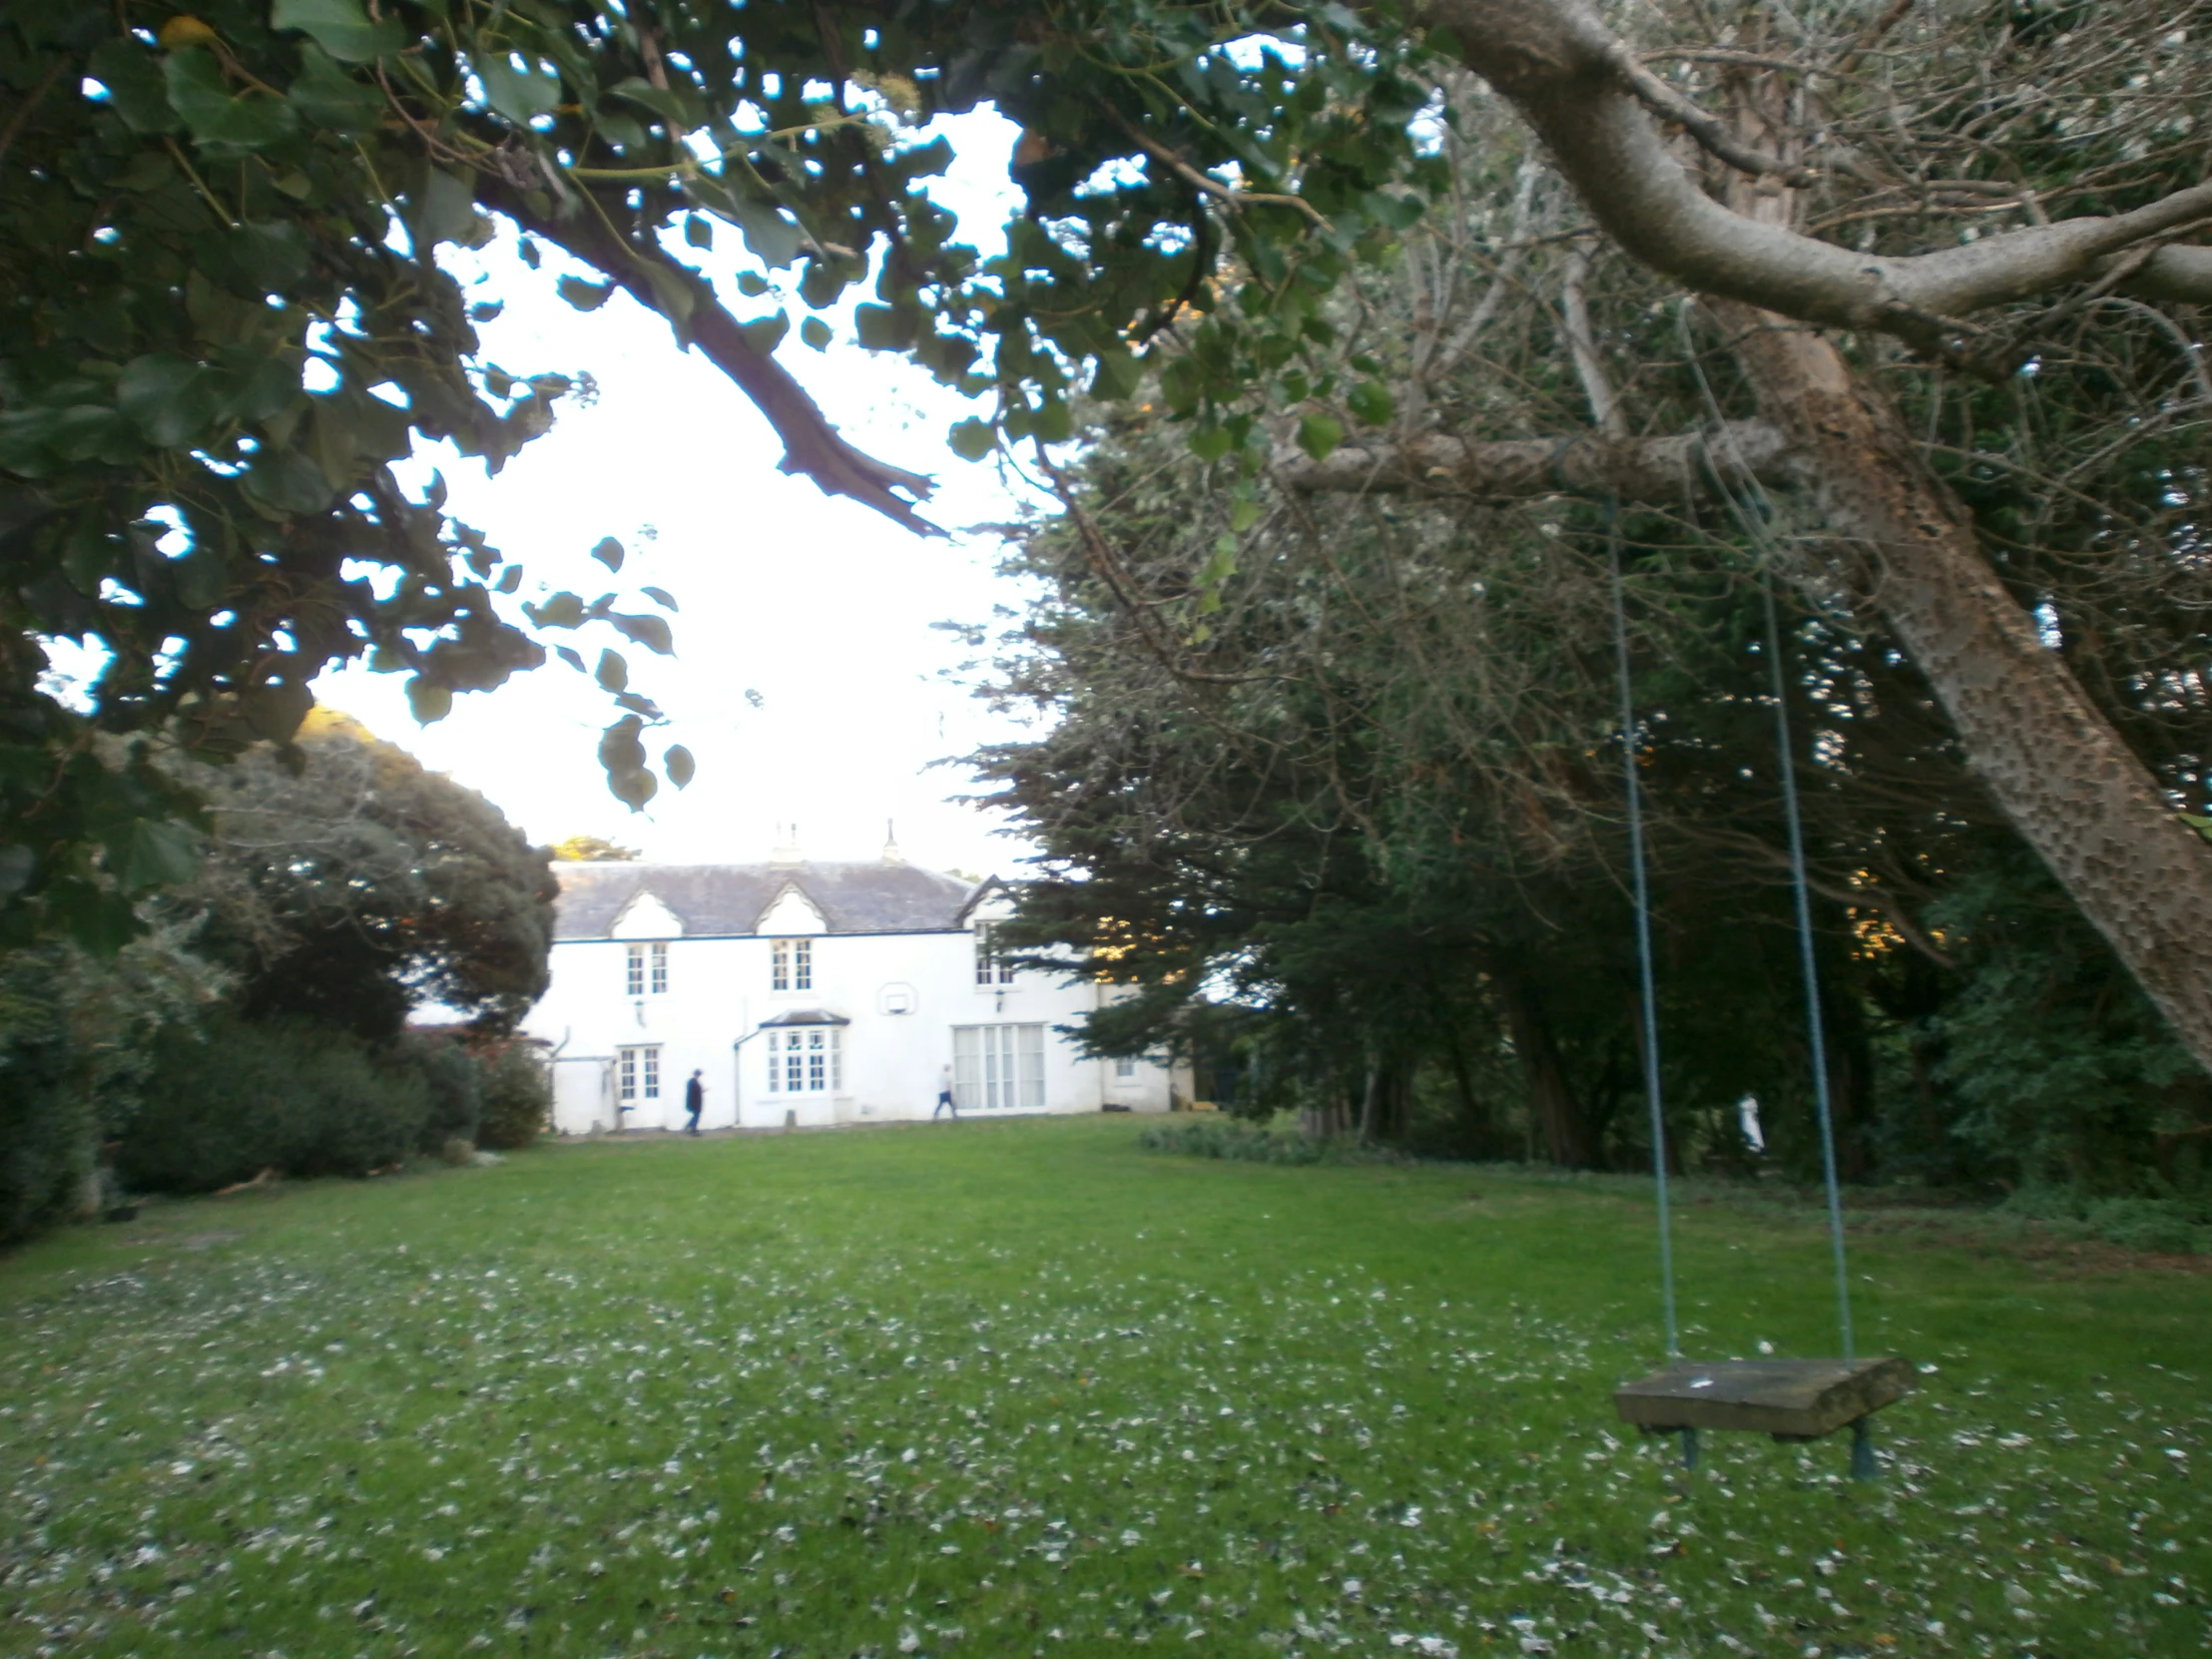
x=243 y=1097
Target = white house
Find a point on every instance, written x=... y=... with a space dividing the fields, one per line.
x=807 y=993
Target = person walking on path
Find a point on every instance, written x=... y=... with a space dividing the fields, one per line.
x=944 y=1096
x=695 y=1102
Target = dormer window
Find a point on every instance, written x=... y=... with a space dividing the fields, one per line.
x=991 y=964
x=644 y=969
x=790 y=965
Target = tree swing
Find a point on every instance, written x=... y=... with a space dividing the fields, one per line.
x=1792 y=1400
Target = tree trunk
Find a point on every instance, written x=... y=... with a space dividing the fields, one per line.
x=1474 y=1113
x=1849 y=1071
x=1563 y=1125
x=2071 y=787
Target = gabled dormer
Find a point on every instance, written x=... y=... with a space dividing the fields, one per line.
x=646 y=918
x=791 y=914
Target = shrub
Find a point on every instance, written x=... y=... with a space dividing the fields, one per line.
x=49 y=1128
x=518 y=1097
x=454 y=1079
x=2157 y=1223
x=75 y=1036
x=300 y=1099
x=1213 y=1137
x=2167 y=1225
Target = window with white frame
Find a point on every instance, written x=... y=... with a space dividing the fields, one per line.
x=998 y=1067
x=805 y=1059
x=638 y=1074
x=1125 y=1070
x=790 y=965
x=644 y=969
x=991 y=965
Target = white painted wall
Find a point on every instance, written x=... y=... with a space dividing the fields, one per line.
x=719 y=992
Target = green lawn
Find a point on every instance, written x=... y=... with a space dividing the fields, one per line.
x=1022 y=1387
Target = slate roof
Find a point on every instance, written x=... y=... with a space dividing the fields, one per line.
x=713 y=900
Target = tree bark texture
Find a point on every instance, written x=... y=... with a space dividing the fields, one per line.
x=1576 y=83
x=1678 y=468
x=2059 y=770
x=1562 y=1124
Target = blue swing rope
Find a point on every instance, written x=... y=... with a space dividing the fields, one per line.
x=1815 y=1027
x=1631 y=749
x=1755 y=520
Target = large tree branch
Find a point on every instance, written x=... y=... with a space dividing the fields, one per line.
x=1566 y=73
x=811 y=445
x=1677 y=469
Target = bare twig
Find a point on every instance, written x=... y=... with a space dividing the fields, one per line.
x=1234 y=200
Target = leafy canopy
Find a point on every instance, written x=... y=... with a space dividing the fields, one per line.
x=227 y=319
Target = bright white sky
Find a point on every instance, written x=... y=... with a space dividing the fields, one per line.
x=818 y=604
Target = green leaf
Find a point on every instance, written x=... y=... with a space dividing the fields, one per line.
x=766 y=333
x=1318 y=435
x=699 y=229
x=199 y=579
x=1371 y=401
x=168 y=398
x=275 y=708
x=133 y=76
x=673 y=296
x=651 y=632
x=1221 y=565
x=1118 y=374
x=661 y=597
x=972 y=440
x=585 y=296
x=331 y=98
x=90 y=431
x=290 y=481
x=2202 y=825
x=613 y=673
x=770 y=238
x=563 y=610
x=263 y=258
x=608 y=552
x=429 y=700
x=880 y=328
x=153 y=853
x=445 y=208
x=623 y=755
x=1055 y=421
x=521 y=95
x=1243 y=517
x=198 y=93
x=663 y=102
x=750 y=284
x=815 y=332
x=340 y=27
x=634 y=788
x=679 y=765
x=1210 y=444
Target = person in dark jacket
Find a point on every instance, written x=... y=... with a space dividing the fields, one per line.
x=695 y=1102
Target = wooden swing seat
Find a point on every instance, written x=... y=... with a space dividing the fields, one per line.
x=1792 y=1400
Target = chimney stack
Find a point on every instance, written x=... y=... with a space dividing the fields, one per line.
x=891 y=855
x=786 y=854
